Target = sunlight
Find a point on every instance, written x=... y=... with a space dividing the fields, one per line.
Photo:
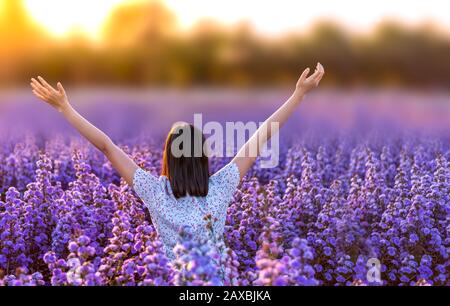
x=61 y=17
x=65 y=16
x=284 y=15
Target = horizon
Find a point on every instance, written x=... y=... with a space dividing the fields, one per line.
x=351 y=14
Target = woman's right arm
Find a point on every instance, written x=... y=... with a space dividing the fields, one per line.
x=58 y=99
x=247 y=155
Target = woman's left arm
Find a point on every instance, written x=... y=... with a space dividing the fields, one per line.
x=58 y=99
x=247 y=155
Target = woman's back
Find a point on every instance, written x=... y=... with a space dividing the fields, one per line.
x=169 y=214
x=188 y=171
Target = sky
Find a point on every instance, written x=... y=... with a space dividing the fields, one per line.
x=277 y=16
x=267 y=16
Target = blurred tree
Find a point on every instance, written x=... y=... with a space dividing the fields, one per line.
x=142 y=45
x=139 y=35
x=139 y=23
x=207 y=39
x=400 y=55
x=329 y=43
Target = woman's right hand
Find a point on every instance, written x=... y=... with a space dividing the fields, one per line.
x=305 y=83
x=55 y=97
x=58 y=99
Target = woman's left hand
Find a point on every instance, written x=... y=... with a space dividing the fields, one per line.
x=305 y=83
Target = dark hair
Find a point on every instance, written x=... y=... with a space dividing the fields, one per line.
x=187 y=171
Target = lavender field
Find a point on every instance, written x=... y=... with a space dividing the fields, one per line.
x=363 y=175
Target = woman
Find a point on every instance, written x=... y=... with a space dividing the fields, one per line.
x=185 y=192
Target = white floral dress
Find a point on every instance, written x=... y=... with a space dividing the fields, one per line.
x=169 y=214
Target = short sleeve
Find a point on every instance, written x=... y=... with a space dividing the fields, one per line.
x=225 y=182
x=146 y=186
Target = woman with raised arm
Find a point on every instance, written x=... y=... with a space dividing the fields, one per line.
x=185 y=192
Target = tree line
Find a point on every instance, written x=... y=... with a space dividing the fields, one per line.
x=141 y=45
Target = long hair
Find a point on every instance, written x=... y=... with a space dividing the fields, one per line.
x=185 y=163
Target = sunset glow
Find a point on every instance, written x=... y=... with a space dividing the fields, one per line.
x=284 y=15
x=64 y=16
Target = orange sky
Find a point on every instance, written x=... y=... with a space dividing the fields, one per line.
x=272 y=17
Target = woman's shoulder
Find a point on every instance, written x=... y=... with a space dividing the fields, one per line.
x=227 y=178
x=146 y=181
x=229 y=171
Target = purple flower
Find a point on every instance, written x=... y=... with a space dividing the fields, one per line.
x=413 y=238
x=73 y=247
